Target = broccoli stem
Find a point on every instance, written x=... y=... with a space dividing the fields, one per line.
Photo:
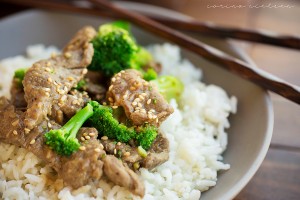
x=75 y=123
x=64 y=140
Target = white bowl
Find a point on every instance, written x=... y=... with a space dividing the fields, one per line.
x=251 y=127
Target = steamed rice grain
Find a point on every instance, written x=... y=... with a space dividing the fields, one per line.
x=196 y=132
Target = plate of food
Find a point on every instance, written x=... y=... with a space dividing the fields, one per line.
x=98 y=109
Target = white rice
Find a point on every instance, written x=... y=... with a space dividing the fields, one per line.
x=196 y=131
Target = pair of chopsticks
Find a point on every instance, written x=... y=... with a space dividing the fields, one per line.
x=224 y=60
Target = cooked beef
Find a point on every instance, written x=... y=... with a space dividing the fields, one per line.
x=73 y=102
x=11 y=123
x=157 y=154
x=127 y=152
x=121 y=175
x=96 y=85
x=86 y=164
x=47 y=81
x=140 y=99
x=17 y=95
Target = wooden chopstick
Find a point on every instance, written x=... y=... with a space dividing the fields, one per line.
x=211 y=29
x=228 y=62
x=205 y=28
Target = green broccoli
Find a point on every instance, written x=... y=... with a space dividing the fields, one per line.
x=104 y=121
x=115 y=49
x=81 y=85
x=64 y=140
x=19 y=76
x=169 y=86
x=150 y=74
x=146 y=136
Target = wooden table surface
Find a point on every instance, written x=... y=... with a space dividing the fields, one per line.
x=278 y=178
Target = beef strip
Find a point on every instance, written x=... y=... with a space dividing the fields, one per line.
x=121 y=175
x=157 y=154
x=17 y=95
x=47 y=81
x=140 y=99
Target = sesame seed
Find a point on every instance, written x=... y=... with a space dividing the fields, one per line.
x=47 y=94
x=132 y=88
x=48 y=64
x=15 y=123
x=149 y=115
x=113 y=79
x=140 y=105
x=127 y=92
x=122 y=71
x=67 y=55
x=124 y=96
x=87 y=137
x=134 y=103
x=66 y=89
x=49 y=125
x=32 y=141
x=47 y=89
x=84 y=71
x=110 y=99
x=104 y=103
x=101 y=146
x=97 y=150
x=152 y=110
x=137 y=99
x=143 y=111
x=115 y=151
x=74 y=102
x=27 y=130
x=48 y=69
x=15 y=132
x=114 y=107
x=84 y=134
x=82 y=148
x=127 y=153
x=146 y=83
x=104 y=138
x=141 y=97
x=63 y=98
x=137 y=108
x=111 y=87
x=119 y=143
x=154 y=116
x=156 y=120
x=92 y=134
x=49 y=80
x=149 y=101
x=70 y=78
x=82 y=139
x=144 y=94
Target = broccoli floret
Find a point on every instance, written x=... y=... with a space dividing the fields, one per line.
x=115 y=49
x=64 y=140
x=146 y=136
x=19 y=76
x=150 y=74
x=104 y=121
x=169 y=86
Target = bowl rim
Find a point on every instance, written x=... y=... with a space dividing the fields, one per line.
x=230 y=194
